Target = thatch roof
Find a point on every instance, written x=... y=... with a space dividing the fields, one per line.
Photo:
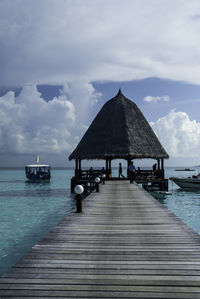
x=119 y=131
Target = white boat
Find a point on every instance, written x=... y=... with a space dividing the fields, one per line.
x=38 y=172
x=189 y=183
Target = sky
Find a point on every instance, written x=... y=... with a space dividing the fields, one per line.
x=61 y=60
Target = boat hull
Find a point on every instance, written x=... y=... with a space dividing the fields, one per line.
x=38 y=177
x=188 y=183
x=38 y=172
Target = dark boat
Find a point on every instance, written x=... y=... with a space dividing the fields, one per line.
x=186 y=169
x=38 y=172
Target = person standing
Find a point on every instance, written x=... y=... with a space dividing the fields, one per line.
x=131 y=169
x=120 y=171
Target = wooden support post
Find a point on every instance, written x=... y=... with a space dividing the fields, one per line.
x=79 y=164
x=107 y=173
x=159 y=172
x=97 y=187
x=79 y=168
x=76 y=167
x=162 y=168
x=109 y=166
x=162 y=164
x=158 y=160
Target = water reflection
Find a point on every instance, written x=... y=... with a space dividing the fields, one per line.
x=183 y=203
x=35 y=193
x=159 y=196
x=186 y=190
x=11 y=182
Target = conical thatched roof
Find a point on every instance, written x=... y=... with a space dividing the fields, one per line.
x=119 y=131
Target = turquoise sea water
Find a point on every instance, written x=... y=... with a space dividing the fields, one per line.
x=29 y=210
x=184 y=203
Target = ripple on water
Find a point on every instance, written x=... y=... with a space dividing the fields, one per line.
x=29 y=210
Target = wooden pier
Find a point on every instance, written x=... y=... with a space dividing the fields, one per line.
x=125 y=244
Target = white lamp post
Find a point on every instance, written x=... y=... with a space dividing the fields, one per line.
x=97 y=181
x=78 y=190
x=103 y=178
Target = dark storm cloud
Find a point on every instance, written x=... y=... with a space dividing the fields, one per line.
x=49 y=41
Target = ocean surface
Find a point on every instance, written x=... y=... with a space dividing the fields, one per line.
x=29 y=210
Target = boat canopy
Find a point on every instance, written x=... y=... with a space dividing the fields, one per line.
x=37 y=165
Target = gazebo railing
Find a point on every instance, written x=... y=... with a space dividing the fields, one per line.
x=140 y=174
x=87 y=177
x=90 y=174
x=149 y=174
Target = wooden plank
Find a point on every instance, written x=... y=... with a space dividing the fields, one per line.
x=99 y=294
x=103 y=288
x=67 y=272
x=125 y=244
x=138 y=280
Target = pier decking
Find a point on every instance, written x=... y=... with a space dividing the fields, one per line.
x=125 y=244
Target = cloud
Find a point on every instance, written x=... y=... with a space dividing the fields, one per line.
x=156 y=99
x=51 y=42
x=29 y=124
x=83 y=95
x=179 y=135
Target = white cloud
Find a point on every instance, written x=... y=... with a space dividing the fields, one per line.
x=29 y=124
x=52 y=41
x=179 y=135
x=156 y=99
x=83 y=95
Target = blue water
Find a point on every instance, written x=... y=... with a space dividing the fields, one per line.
x=29 y=210
x=185 y=204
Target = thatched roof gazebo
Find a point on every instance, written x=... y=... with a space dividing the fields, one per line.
x=119 y=131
